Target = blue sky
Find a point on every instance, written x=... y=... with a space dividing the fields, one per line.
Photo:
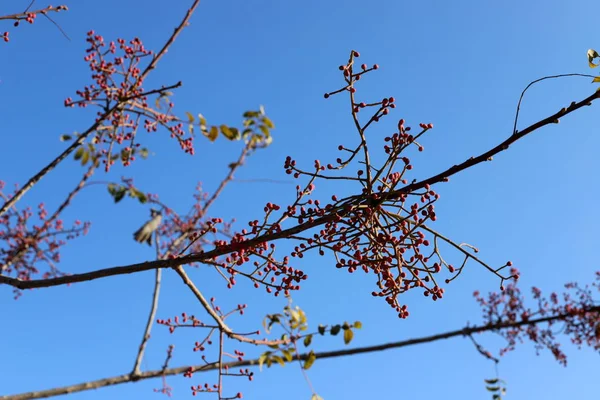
x=460 y=65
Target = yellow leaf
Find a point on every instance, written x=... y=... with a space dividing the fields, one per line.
x=348 y=335
x=212 y=134
x=268 y=122
x=310 y=360
x=596 y=79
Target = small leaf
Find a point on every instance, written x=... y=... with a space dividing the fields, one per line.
x=85 y=158
x=592 y=54
x=279 y=360
x=261 y=109
x=144 y=153
x=191 y=128
x=268 y=122
x=596 y=79
x=212 y=134
x=262 y=359
x=64 y=138
x=358 y=324
x=246 y=132
x=315 y=397
x=308 y=340
x=493 y=388
x=190 y=117
x=264 y=130
x=295 y=316
x=250 y=114
x=321 y=329
x=229 y=132
x=142 y=198
x=348 y=335
x=111 y=188
x=491 y=381
x=288 y=355
x=310 y=360
x=335 y=330
x=202 y=121
x=79 y=153
x=119 y=195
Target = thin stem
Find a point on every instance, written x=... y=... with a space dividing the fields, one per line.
x=119 y=379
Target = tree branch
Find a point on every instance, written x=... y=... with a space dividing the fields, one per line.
x=44 y=171
x=116 y=380
x=353 y=201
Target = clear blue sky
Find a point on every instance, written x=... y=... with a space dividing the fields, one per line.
x=460 y=65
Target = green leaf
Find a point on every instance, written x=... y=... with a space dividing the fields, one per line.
x=262 y=359
x=264 y=130
x=493 y=388
x=64 y=138
x=246 y=132
x=119 y=195
x=229 y=132
x=308 y=340
x=79 y=153
x=144 y=153
x=279 y=360
x=295 y=316
x=358 y=324
x=212 y=134
x=85 y=158
x=288 y=355
x=335 y=330
x=491 y=381
x=310 y=360
x=250 y=114
x=593 y=54
x=268 y=122
x=321 y=329
x=496 y=397
x=348 y=335
x=202 y=121
x=111 y=188
x=124 y=155
x=142 y=198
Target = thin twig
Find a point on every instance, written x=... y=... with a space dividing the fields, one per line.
x=116 y=380
x=151 y=315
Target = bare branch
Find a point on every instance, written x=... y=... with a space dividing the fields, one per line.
x=116 y=380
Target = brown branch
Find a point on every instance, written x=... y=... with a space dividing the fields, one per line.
x=116 y=380
x=23 y=15
x=353 y=201
x=37 y=177
x=487 y=156
x=151 y=316
x=55 y=215
x=188 y=282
